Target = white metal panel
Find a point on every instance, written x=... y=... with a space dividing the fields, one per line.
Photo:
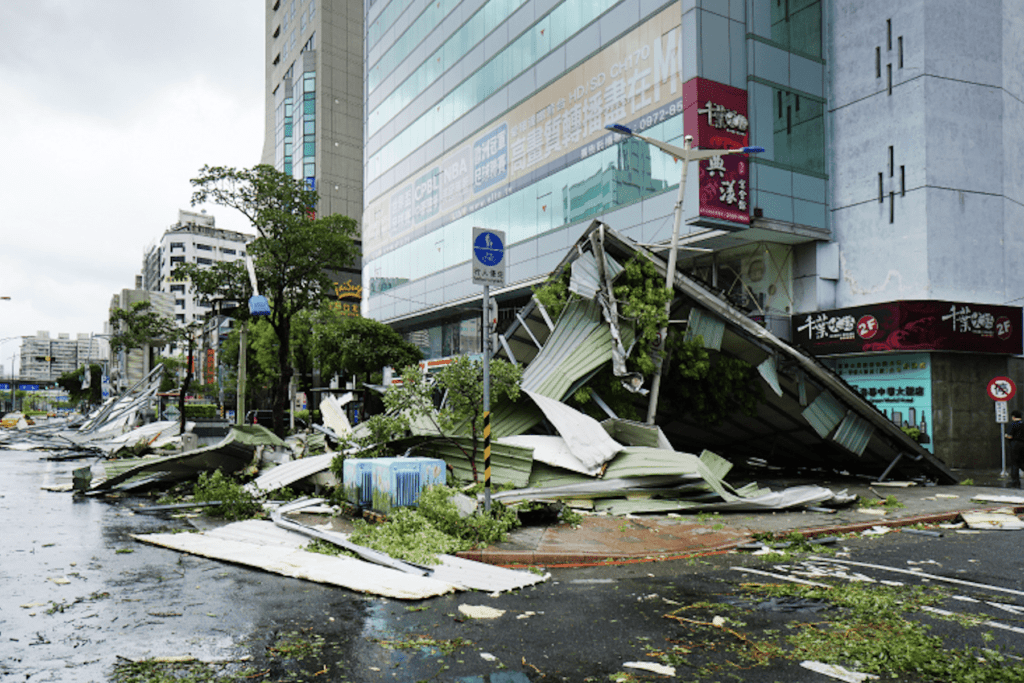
x=584 y=436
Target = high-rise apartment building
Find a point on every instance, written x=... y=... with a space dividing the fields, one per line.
x=878 y=229
x=193 y=239
x=45 y=358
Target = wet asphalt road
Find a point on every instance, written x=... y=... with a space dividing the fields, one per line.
x=79 y=595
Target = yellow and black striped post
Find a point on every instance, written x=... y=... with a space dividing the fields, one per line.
x=487 y=398
x=487 y=460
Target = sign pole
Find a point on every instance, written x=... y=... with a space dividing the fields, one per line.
x=487 y=398
x=1001 y=390
x=488 y=269
x=1002 y=442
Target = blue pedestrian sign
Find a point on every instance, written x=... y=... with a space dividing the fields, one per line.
x=488 y=257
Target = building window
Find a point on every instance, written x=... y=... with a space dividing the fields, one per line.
x=177 y=259
x=203 y=247
x=179 y=303
x=903 y=181
x=799 y=132
x=180 y=317
x=797 y=26
x=204 y=261
x=878 y=62
x=900 y=55
x=177 y=246
x=229 y=252
x=177 y=289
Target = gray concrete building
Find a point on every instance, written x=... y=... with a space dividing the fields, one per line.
x=878 y=230
x=314 y=109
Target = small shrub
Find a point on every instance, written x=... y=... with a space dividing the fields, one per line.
x=235 y=502
x=200 y=411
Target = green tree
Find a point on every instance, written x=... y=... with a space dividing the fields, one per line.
x=707 y=385
x=346 y=345
x=290 y=255
x=141 y=326
x=460 y=386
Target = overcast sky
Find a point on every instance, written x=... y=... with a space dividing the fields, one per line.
x=109 y=107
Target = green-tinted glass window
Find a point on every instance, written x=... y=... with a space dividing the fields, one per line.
x=796 y=25
x=799 y=132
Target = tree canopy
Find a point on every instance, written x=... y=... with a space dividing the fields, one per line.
x=349 y=345
x=290 y=256
x=141 y=326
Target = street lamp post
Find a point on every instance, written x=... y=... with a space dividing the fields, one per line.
x=686 y=155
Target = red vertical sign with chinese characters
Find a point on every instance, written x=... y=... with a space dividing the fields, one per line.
x=716 y=116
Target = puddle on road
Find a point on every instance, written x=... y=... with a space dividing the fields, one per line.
x=89 y=601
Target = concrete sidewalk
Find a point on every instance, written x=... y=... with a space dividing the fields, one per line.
x=601 y=539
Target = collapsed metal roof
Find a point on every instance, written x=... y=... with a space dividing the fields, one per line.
x=809 y=417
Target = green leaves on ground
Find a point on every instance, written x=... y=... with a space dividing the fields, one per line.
x=435 y=527
x=235 y=501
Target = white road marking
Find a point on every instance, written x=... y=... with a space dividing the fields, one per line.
x=983 y=586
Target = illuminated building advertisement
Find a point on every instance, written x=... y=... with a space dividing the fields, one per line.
x=716 y=116
x=898 y=384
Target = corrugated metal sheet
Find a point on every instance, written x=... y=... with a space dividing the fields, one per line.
x=630 y=433
x=853 y=433
x=332 y=409
x=289 y=473
x=583 y=435
x=824 y=413
x=461 y=573
x=264 y=546
x=230 y=455
x=752 y=499
x=585 y=278
x=706 y=325
x=550 y=450
x=509 y=464
x=579 y=344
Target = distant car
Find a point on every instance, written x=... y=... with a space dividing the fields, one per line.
x=266 y=419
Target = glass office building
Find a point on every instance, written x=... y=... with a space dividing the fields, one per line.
x=881 y=219
x=493 y=113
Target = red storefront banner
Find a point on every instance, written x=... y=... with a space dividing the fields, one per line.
x=911 y=326
x=716 y=116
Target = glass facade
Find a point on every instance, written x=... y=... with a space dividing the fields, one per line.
x=522 y=53
x=304 y=128
x=798 y=131
x=796 y=26
x=615 y=175
x=542 y=161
